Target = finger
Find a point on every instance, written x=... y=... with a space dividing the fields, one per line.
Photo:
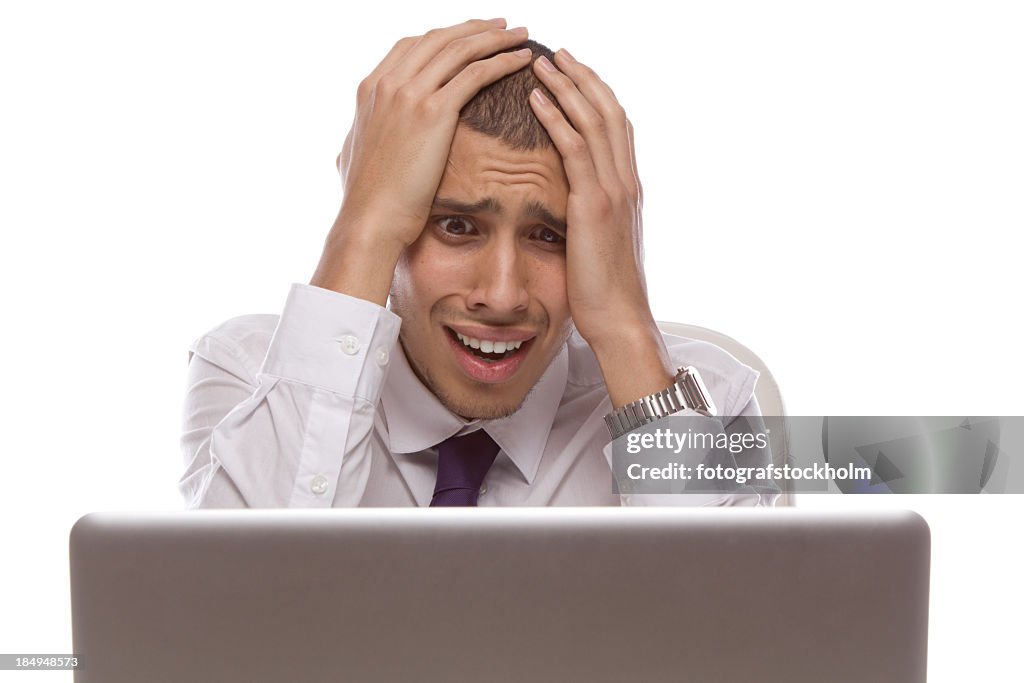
x=579 y=166
x=639 y=193
x=474 y=76
x=585 y=118
x=565 y=61
x=632 y=161
x=431 y=43
x=454 y=56
x=393 y=57
x=601 y=97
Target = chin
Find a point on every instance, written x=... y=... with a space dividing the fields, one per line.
x=468 y=399
x=478 y=409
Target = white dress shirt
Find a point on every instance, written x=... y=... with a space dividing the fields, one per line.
x=318 y=407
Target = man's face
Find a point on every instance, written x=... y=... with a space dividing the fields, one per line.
x=488 y=269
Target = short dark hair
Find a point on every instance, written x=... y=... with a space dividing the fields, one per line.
x=502 y=110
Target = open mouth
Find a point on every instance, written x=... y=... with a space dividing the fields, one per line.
x=488 y=360
x=488 y=351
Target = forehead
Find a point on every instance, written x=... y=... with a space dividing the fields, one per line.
x=480 y=165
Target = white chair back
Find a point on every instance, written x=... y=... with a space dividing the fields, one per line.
x=769 y=398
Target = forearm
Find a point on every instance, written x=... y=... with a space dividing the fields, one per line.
x=634 y=361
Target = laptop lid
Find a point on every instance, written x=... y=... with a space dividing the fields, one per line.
x=500 y=594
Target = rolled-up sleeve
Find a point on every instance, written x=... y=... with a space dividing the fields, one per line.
x=293 y=429
x=747 y=496
x=732 y=385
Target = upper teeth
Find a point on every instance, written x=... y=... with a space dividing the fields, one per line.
x=488 y=346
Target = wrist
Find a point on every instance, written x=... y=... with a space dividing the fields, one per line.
x=687 y=392
x=620 y=334
x=358 y=259
x=379 y=220
x=368 y=228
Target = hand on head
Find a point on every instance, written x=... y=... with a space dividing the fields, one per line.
x=407 y=110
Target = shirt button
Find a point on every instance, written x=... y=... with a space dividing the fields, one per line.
x=318 y=485
x=349 y=344
x=382 y=356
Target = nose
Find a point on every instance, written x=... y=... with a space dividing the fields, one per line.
x=500 y=280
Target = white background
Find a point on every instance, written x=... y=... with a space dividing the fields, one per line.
x=837 y=185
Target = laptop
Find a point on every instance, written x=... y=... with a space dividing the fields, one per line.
x=500 y=594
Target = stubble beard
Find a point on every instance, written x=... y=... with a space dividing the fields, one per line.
x=466 y=409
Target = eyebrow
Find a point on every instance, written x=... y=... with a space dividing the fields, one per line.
x=533 y=209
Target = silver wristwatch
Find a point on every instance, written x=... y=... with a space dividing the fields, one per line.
x=688 y=391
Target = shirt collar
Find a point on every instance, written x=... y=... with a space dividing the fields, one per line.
x=417 y=420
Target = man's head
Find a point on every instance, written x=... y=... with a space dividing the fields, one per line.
x=501 y=110
x=488 y=270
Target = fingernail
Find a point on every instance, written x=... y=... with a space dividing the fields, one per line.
x=520 y=30
x=500 y=21
x=545 y=64
x=539 y=96
x=523 y=53
x=567 y=55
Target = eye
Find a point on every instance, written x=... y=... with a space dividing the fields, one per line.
x=548 y=236
x=455 y=225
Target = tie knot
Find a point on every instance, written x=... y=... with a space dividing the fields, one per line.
x=462 y=464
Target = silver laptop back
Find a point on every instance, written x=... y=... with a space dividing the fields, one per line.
x=500 y=594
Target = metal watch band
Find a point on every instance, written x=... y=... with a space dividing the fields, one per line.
x=688 y=391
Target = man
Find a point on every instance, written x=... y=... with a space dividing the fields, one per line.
x=491 y=193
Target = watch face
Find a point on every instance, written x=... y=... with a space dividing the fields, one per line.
x=696 y=394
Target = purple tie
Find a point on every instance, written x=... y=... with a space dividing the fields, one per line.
x=462 y=464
